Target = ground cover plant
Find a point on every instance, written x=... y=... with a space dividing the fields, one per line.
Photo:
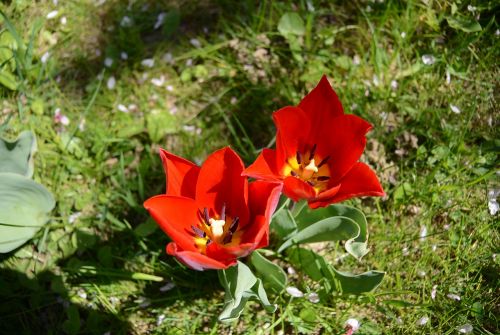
x=103 y=85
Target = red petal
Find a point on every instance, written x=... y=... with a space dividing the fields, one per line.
x=344 y=141
x=181 y=174
x=220 y=182
x=297 y=189
x=197 y=261
x=293 y=127
x=257 y=235
x=324 y=197
x=323 y=100
x=263 y=198
x=175 y=215
x=264 y=166
x=359 y=181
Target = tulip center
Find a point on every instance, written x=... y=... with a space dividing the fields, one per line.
x=221 y=229
x=304 y=165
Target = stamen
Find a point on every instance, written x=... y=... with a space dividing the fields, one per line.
x=313 y=151
x=234 y=224
x=310 y=183
x=323 y=161
x=198 y=231
x=293 y=173
x=208 y=242
x=228 y=238
x=207 y=217
x=223 y=212
x=322 y=178
x=299 y=157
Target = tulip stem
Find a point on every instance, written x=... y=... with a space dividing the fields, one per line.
x=297 y=207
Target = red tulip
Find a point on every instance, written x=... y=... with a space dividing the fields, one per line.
x=211 y=213
x=317 y=152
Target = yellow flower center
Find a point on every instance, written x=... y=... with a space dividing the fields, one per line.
x=303 y=166
x=221 y=229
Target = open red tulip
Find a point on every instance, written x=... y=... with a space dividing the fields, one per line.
x=211 y=213
x=317 y=152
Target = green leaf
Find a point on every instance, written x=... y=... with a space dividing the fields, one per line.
x=17 y=156
x=72 y=325
x=283 y=223
x=291 y=24
x=356 y=284
x=171 y=22
x=318 y=269
x=160 y=123
x=329 y=229
x=24 y=208
x=270 y=273
x=463 y=23
x=8 y=80
x=240 y=284
x=147 y=228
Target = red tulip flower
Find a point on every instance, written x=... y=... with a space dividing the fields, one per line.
x=317 y=152
x=211 y=213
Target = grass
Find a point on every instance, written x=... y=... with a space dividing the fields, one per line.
x=223 y=68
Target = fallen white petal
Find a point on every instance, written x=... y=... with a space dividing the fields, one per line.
x=422 y=321
x=108 y=61
x=453 y=296
x=111 y=83
x=160 y=19
x=423 y=233
x=455 y=109
x=45 y=57
x=52 y=14
x=64 y=20
x=194 y=42
x=428 y=59
x=352 y=324
x=123 y=55
x=126 y=21
x=294 y=292
x=158 y=81
x=160 y=319
x=170 y=88
x=394 y=84
x=72 y=218
x=313 y=297
x=148 y=62
x=167 y=287
x=465 y=329
x=122 y=108
x=433 y=292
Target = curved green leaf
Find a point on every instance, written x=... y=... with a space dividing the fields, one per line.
x=24 y=208
x=270 y=273
x=291 y=24
x=329 y=229
x=316 y=267
x=240 y=285
x=17 y=156
x=355 y=245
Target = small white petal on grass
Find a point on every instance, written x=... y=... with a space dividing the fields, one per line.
x=195 y=42
x=233 y=100
x=189 y=128
x=122 y=108
x=167 y=57
x=98 y=52
x=434 y=247
x=170 y=88
x=123 y=55
x=132 y=107
x=82 y=294
x=126 y=21
x=100 y=3
x=148 y=62
x=158 y=81
x=356 y=60
x=455 y=109
x=471 y=8
x=433 y=292
x=465 y=329
x=167 y=287
x=160 y=19
x=55 y=2
x=453 y=296
x=108 y=61
x=422 y=321
x=421 y=274
x=290 y=270
x=64 y=20
x=111 y=83
x=310 y=6
x=114 y=300
x=159 y=319
x=313 y=297
x=497 y=32
x=52 y=14
x=144 y=302
x=352 y=324
x=448 y=77
x=189 y=62
x=405 y=251
x=45 y=57
x=375 y=80
x=72 y=218
x=428 y=59
x=354 y=106
x=173 y=110
x=446 y=227
x=394 y=84
x=493 y=206
x=294 y=292
x=403 y=34
x=423 y=233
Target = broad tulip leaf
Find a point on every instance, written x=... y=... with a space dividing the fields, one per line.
x=330 y=229
x=24 y=208
x=355 y=245
x=8 y=80
x=270 y=273
x=240 y=285
x=291 y=24
x=283 y=223
x=17 y=156
x=469 y=25
x=318 y=269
